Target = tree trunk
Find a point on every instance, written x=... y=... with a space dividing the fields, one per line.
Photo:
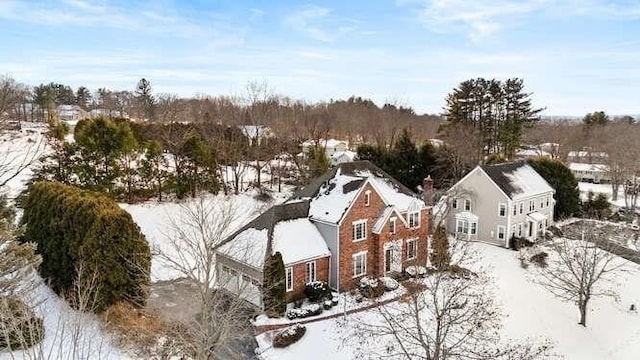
x=582 y=306
x=614 y=187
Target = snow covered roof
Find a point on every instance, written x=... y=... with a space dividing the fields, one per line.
x=588 y=167
x=583 y=154
x=386 y=213
x=536 y=216
x=298 y=240
x=248 y=247
x=517 y=179
x=329 y=143
x=532 y=152
x=332 y=193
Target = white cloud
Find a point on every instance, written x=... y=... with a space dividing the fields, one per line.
x=306 y=21
x=480 y=20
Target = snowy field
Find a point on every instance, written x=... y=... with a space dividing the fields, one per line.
x=532 y=313
x=160 y=222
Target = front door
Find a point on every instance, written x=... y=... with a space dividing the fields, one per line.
x=531 y=225
x=392 y=258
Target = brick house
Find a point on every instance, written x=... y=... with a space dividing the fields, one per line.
x=351 y=222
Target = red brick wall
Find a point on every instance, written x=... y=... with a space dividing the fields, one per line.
x=374 y=244
x=300 y=276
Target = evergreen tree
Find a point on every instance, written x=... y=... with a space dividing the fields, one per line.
x=86 y=239
x=83 y=97
x=319 y=162
x=567 y=194
x=145 y=99
x=498 y=111
x=274 y=286
x=406 y=164
x=596 y=118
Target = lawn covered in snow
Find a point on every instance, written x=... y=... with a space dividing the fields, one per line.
x=531 y=312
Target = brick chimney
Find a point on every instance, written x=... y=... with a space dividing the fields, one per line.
x=427 y=190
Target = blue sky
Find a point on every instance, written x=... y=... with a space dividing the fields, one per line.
x=576 y=56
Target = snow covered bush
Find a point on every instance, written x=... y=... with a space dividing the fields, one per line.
x=289 y=336
x=317 y=291
x=304 y=312
x=415 y=271
x=19 y=326
x=390 y=284
x=327 y=304
x=371 y=288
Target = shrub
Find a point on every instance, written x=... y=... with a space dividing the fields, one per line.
x=371 y=288
x=19 y=327
x=460 y=272
x=517 y=243
x=304 y=312
x=289 y=336
x=85 y=238
x=327 y=304
x=389 y=283
x=415 y=271
x=317 y=291
x=540 y=259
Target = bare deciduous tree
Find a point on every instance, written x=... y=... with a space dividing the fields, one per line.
x=449 y=314
x=197 y=232
x=580 y=270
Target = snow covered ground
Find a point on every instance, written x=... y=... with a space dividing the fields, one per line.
x=601 y=189
x=532 y=313
x=157 y=221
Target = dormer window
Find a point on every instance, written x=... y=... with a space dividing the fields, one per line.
x=367 y=198
x=392 y=225
x=414 y=219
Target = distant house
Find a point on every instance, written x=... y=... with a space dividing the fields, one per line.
x=351 y=222
x=340 y=157
x=70 y=114
x=108 y=113
x=329 y=146
x=495 y=202
x=594 y=173
x=587 y=156
x=256 y=133
x=525 y=154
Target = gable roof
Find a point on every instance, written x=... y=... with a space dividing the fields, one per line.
x=251 y=242
x=517 y=179
x=332 y=194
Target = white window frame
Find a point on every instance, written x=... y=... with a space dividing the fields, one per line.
x=541 y=203
x=467 y=204
x=519 y=229
x=310 y=274
x=521 y=207
x=393 y=223
x=367 y=198
x=502 y=210
x=412 y=244
x=413 y=219
x=500 y=229
x=288 y=276
x=547 y=201
x=455 y=203
x=532 y=205
x=515 y=209
x=473 y=227
x=363 y=255
x=356 y=224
